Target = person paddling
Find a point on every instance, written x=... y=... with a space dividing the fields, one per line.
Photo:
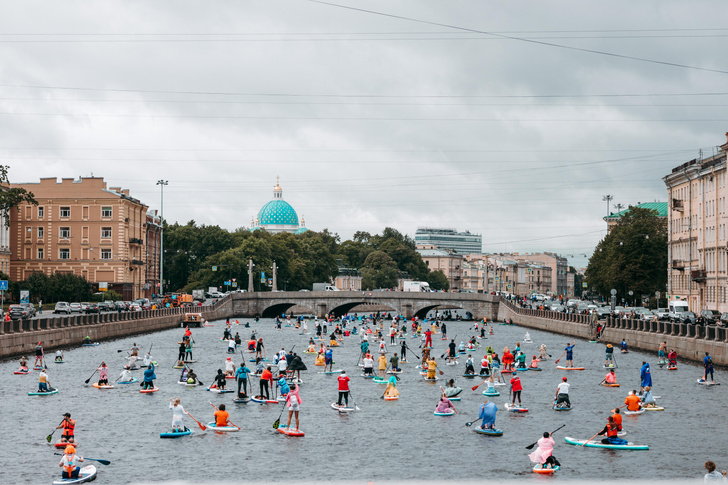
x=708 y=366
x=293 y=402
x=570 y=354
x=178 y=413
x=149 y=377
x=544 y=454
x=219 y=381
x=562 y=393
x=611 y=430
x=445 y=406
x=611 y=377
x=70 y=462
x=516 y=388
x=221 y=417
x=125 y=376
x=328 y=360
x=469 y=365
x=343 y=388
x=487 y=414
x=103 y=374
x=431 y=368
x=241 y=375
x=266 y=380
x=23 y=365
x=38 y=355
x=68 y=426
x=623 y=346
x=645 y=376
x=391 y=390
x=633 y=402
x=43 y=384
x=609 y=356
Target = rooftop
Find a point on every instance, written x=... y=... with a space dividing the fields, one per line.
x=660 y=207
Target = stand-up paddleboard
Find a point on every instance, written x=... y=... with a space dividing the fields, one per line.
x=90 y=345
x=515 y=408
x=673 y=367
x=562 y=367
x=535 y=369
x=342 y=409
x=63 y=444
x=394 y=372
x=454 y=398
x=219 y=391
x=186 y=362
x=521 y=369
x=624 y=351
x=545 y=471
x=609 y=366
x=262 y=400
x=178 y=367
x=38 y=367
x=176 y=434
x=561 y=407
x=223 y=429
x=471 y=376
x=306 y=352
x=58 y=362
x=653 y=408
x=634 y=413
x=337 y=371
x=85 y=474
x=132 y=381
x=229 y=377
x=599 y=444
x=446 y=413
x=380 y=381
x=290 y=432
x=453 y=363
x=708 y=383
x=102 y=386
x=431 y=379
x=488 y=432
x=295 y=381
x=606 y=384
x=241 y=400
x=149 y=391
x=507 y=371
x=46 y=393
x=491 y=393
x=391 y=398
x=22 y=372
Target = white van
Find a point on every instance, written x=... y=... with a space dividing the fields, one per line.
x=677 y=306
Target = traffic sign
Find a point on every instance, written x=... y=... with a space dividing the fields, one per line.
x=235 y=284
x=4 y=285
x=584 y=285
x=214 y=268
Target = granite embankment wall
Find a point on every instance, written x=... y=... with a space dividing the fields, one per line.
x=689 y=341
x=19 y=337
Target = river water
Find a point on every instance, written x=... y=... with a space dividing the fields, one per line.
x=396 y=440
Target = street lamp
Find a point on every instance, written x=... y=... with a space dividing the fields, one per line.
x=161 y=184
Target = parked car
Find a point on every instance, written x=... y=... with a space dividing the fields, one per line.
x=120 y=306
x=84 y=305
x=92 y=308
x=661 y=313
x=24 y=310
x=62 y=307
x=711 y=316
x=135 y=307
x=688 y=317
x=76 y=308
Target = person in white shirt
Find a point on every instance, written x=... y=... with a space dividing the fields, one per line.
x=562 y=393
x=368 y=365
x=178 y=413
x=229 y=367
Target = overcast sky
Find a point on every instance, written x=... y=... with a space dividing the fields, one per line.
x=509 y=119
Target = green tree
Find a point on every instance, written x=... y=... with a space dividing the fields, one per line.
x=379 y=271
x=12 y=197
x=632 y=257
x=437 y=280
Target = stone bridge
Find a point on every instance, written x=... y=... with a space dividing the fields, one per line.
x=320 y=303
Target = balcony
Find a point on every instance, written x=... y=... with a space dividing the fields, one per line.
x=137 y=262
x=677 y=205
x=678 y=264
x=698 y=275
x=136 y=240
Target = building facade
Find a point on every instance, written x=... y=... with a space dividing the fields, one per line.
x=4 y=245
x=696 y=228
x=449 y=240
x=153 y=242
x=488 y=273
x=449 y=263
x=557 y=284
x=82 y=227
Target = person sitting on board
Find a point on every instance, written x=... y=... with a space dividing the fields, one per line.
x=431 y=368
x=487 y=413
x=391 y=390
x=611 y=430
x=283 y=386
x=368 y=365
x=191 y=377
x=445 y=405
x=633 y=401
x=43 y=385
x=251 y=345
x=231 y=346
x=125 y=376
x=544 y=454
x=484 y=367
x=527 y=337
x=714 y=475
x=221 y=417
x=451 y=390
x=147 y=359
x=59 y=356
x=87 y=340
x=68 y=426
x=133 y=363
x=562 y=393
x=648 y=400
x=70 y=462
x=611 y=377
x=183 y=376
x=219 y=381
x=178 y=413
x=149 y=377
x=394 y=362
x=226 y=335
x=103 y=374
x=469 y=369
x=617 y=417
x=672 y=359
x=259 y=366
x=229 y=367
x=521 y=360
x=23 y=364
x=570 y=354
x=534 y=363
x=609 y=356
x=623 y=346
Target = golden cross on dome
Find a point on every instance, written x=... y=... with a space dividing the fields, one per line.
x=278 y=180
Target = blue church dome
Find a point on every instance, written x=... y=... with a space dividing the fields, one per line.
x=301 y=230
x=277 y=212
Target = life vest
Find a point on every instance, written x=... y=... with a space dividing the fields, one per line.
x=68 y=426
x=70 y=465
x=612 y=431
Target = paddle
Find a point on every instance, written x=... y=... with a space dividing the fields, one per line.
x=277 y=422
x=557 y=360
x=529 y=447
x=614 y=358
x=587 y=441
x=352 y=399
x=229 y=422
x=603 y=381
x=443 y=355
x=48 y=438
x=103 y=462
x=202 y=426
x=87 y=380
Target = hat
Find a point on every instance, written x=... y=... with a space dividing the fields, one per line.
x=67 y=415
x=229 y=358
x=70 y=450
x=563 y=378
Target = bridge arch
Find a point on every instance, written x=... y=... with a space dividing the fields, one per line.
x=422 y=312
x=281 y=308
x=342 y=309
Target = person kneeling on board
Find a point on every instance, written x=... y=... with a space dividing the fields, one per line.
x=611 y=430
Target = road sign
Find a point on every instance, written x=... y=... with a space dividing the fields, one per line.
x=497 y=278
x=24 y=296
x=262 y=276
x=214 y=268
x=584 y=285
x=227 y=283
x=508 y=287
x=235 y=284
x=4 y=285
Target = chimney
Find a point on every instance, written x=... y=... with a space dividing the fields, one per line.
x=724 y=147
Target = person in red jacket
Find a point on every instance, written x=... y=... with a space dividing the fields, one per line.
x=343 y=388
x=516 y=388
x=428 y=338
x=266 y=378
x=507 y=358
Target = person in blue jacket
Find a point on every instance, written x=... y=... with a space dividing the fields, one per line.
x=570 y=354
x=487 y=413
x=149 y=377
x=283 y=386
x=241 y=375
x=623 y=346
x=329 y=359
x=708 y=365
x=645 y=376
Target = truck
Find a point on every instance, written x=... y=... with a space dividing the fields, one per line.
x=409 y=285
x=198 y=295
x=324 y=287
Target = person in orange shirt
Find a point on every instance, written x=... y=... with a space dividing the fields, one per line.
x=633 y=401
x=617 y=417
x=221 y=417
x=266 y=378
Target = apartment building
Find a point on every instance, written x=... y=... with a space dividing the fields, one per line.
x=697 y=239
x=82 y=227
x=448 y=262
x=493 y=272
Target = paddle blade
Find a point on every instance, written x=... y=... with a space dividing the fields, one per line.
x=48 y=438
x=475 y=387
x=276 y=424
x=103 y=462
x=530 y=447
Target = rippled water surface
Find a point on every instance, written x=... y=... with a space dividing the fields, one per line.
x=385 y=440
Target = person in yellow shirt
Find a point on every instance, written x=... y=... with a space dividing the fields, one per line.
x=633 y=401
x=431 y=368
x=382 y=361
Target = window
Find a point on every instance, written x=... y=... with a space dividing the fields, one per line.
x=64 y=254
x=105 y=232
x=40 y=234
x=106 y=212
x=40 y=253
x=41 y=212
x=106 y=254
x=65 y=212
x=64 y=232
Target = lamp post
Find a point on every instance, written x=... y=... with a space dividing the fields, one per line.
x=161 y=184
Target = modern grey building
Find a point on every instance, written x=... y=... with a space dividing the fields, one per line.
x=450 y=239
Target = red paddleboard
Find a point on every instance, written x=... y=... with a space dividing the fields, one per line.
x=506 y=371
x=147 y=391
x=20 y=372
x=229 y=377
x=569 y=368
x=291 y=432
x=63 y=445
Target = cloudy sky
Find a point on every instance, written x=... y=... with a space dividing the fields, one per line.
x=509 y=119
